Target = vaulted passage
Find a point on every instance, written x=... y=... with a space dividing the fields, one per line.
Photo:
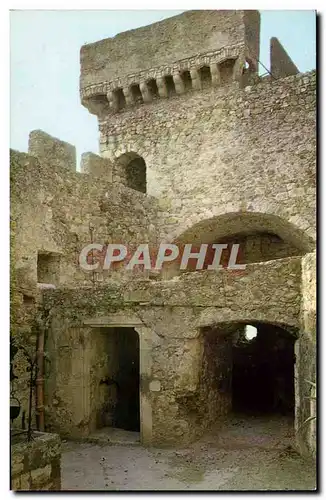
x=250 y=374
x=263 y=372
x=260 y=238
x=257 y=247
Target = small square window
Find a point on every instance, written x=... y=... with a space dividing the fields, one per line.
x=48 y=268
x=28 y=300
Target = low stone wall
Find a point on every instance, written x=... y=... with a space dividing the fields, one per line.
x=35 y=465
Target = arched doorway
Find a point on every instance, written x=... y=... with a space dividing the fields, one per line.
x=248 y=384
x=263 y=370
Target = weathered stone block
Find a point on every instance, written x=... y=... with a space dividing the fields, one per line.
x=97 y=166
x=25 y=481
x=36 y=464
x=52 y=150
x=40 y=477
x=15 y=483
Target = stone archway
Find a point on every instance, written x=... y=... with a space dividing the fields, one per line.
x=130 y=170
x=260 y=236
x=234 y=223
x=203 y=405
x=252 y=376
x=221 y=224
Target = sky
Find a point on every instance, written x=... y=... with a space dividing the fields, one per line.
x=44 y=63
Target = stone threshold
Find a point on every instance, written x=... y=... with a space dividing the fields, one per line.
x=114 y=436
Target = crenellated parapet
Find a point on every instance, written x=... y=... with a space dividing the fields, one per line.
x=55 y=151
x=211 y=69
x=158 y=61
x=61 y=155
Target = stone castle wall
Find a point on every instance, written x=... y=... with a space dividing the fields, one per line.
x=306 y=356
x=169 y=318
x=58 y=212
x=226 y=150
x=55 y=213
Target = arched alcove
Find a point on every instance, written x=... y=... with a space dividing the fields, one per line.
x=132 y=171
x=225 y=226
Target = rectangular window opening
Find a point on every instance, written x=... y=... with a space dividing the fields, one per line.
x=48 y=268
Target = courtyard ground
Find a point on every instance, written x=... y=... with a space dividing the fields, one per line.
x=245 y=453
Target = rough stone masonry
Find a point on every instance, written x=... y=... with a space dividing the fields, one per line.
x=195 y=147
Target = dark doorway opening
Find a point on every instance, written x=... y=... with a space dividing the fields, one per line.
x=263 y=371
x=127 y=406
x=115 y=374
x=246 y=394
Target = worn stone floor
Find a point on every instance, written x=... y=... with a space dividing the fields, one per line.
x=243 y=453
